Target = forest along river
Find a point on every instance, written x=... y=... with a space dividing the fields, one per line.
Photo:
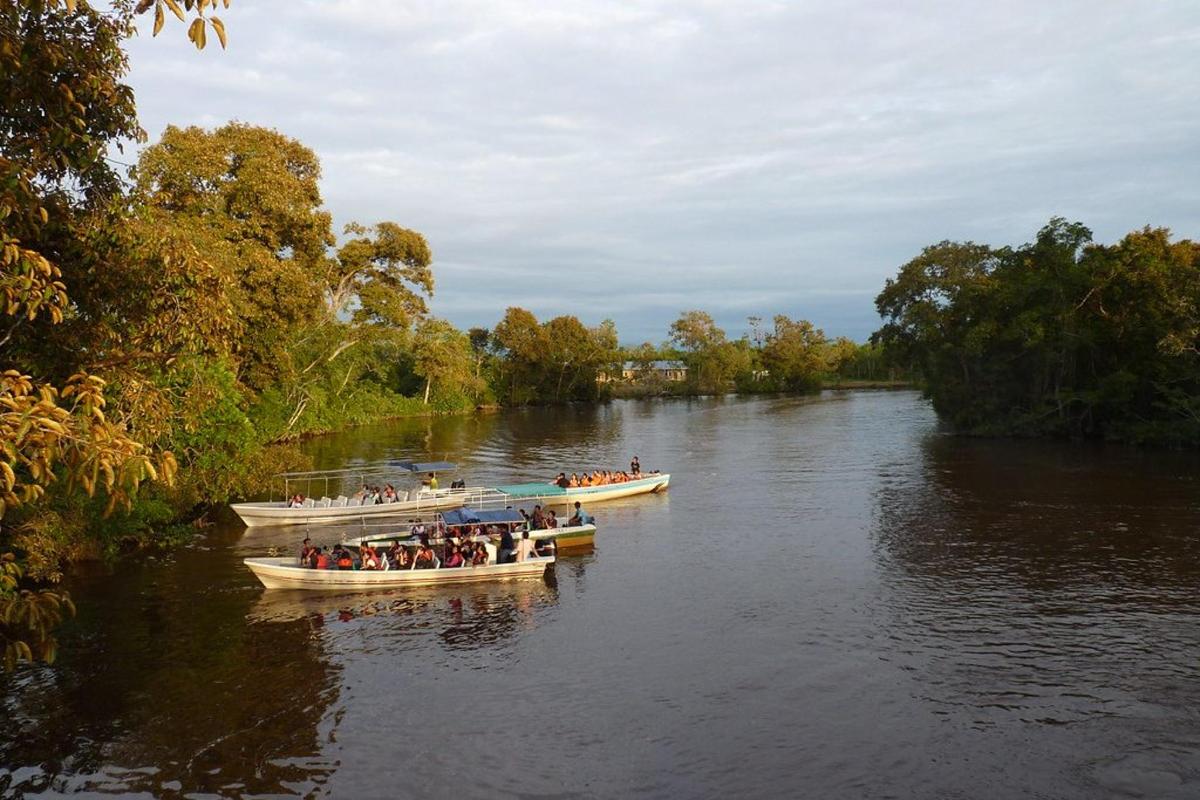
x=833 y=600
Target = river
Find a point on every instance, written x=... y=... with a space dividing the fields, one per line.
x=834 y=599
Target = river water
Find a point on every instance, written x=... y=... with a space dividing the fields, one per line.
x=833 y=600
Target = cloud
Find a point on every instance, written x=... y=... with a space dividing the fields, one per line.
x=634 y=160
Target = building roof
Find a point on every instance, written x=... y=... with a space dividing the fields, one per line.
x=660 y=365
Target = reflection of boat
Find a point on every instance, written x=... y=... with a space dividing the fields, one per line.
x=284 y=573
x=342 y=508
x=551 y=495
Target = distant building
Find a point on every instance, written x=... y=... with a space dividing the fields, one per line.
x=668 y=371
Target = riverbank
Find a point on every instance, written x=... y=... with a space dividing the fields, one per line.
x=641 y=392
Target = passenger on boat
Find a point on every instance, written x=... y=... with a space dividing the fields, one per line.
x=574 y=482
x=506 y=546
x=398 y=555
x=551 y=520
x=306 y=551
x=562 y=481
x=537 y=520
x=433 y=483
x=525 y=548
x=418 y=530
x=296 y=501
x=389 y=494
x=367 y=557
x=479 y=557
x=424 y=558
x=344 y=560
x=321 y=560
x=455 y=558
x=635 y=466
x=580 y=517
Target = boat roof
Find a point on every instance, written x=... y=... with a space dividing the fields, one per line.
x=470 y=516
x=424 y=466
x=535 y=489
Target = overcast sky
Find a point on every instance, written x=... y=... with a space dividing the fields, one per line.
x=633 y=160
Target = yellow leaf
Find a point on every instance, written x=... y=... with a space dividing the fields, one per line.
x=71 y=6
x=196 y=33
x=219 y=27
x=176 y=10
x=158 y=18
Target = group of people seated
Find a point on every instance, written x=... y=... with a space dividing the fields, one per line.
x=370 y=495
x=366 y=496
x=600 y=477
x=460 y=546
x=540 y=520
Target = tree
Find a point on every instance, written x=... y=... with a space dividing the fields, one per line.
x=63 y=105
x=555 y=361
x=1056 y=337
x=248 y=198
x=713 y=362
x=796 y=354
x=388 y=274
x=443 y=357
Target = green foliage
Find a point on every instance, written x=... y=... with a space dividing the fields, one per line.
x=714 y=363
x=797 y=355
x=1057 y=337
x=551 y=362
x=247 y=198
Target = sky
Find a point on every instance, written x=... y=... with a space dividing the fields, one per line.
x=634 y=160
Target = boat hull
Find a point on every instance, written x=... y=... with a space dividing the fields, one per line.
x=277 y=513
x=554 y=496
x=283 y=573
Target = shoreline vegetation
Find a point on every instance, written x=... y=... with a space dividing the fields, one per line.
x=171 y=329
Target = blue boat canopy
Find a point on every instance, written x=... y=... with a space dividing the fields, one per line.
x=531 y=490
x=424 y=466
x=467 y=516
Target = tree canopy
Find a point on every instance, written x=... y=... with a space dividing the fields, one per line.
x=1060 y=336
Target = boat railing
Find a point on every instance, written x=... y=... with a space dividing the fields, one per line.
x=375 y=472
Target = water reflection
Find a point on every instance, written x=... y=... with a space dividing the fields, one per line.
x=1034 y=586
x=162 y=688
x=458 y=618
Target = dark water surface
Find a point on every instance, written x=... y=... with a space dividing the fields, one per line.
x=833 y=600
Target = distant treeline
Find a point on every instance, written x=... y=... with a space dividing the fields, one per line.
x=1059 y=337
x=527 y=362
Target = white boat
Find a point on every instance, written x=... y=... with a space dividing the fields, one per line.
x=549 y=494
x=343 y=509
x=285 y=573
x=565 y=537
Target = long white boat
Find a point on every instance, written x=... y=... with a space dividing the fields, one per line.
x=284 y=573
x=343 y=508
x=549 y=494
x=565 y=537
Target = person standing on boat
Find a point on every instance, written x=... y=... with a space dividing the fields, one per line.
x=635 y=466
x=306 y=552
x=433 y=484
x=506 y=545
x=525 y=548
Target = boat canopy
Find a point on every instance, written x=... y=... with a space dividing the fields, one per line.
x=531 y=490
x=424 y=466
x=469 y=516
